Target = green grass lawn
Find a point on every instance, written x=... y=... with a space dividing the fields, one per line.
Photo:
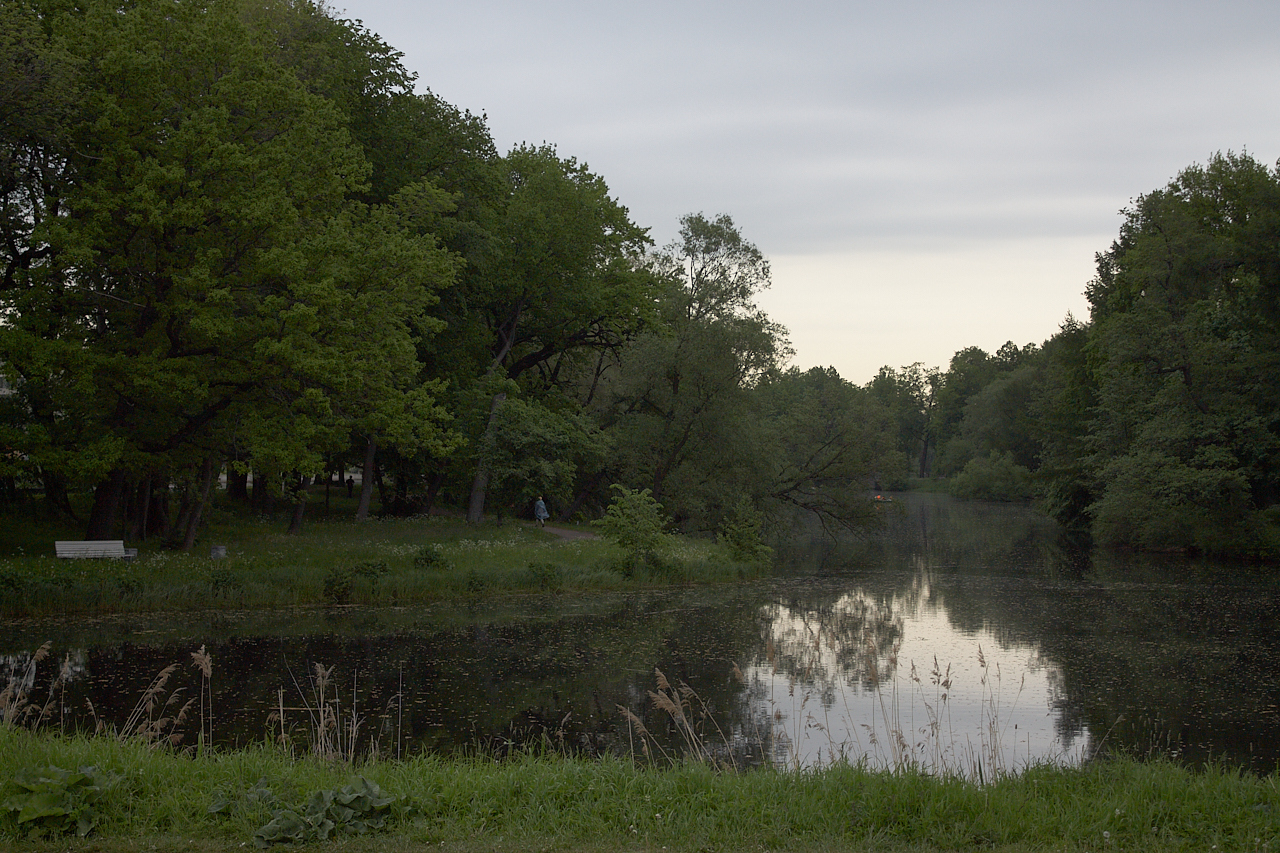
x=335 y=560
x=159 y=799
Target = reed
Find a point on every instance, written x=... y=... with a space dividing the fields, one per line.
x=797 y=740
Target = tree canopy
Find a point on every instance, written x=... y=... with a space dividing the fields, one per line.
x=235 y=238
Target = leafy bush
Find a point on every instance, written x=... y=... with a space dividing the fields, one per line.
x=429 y=557
x=338 y=583
x=635 y=521
x=741 y=532
x=355 y=809
x=223 y=579
x=992 y=478
x=52 y=801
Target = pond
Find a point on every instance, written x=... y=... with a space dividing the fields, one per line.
x=966 y=637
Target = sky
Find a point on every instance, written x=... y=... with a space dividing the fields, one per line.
x=923 y=176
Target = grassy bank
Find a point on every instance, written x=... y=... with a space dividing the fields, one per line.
x=156 y=799
x=334 y=561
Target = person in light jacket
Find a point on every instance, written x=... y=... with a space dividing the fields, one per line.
x=540 y=512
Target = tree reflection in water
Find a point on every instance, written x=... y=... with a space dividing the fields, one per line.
x=861 y=649
x=884 y=677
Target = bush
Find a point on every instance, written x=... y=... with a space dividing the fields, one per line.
x=429 y=557
x=992 y=478
x=635 y=521
x=546 y=576
x=741 y=532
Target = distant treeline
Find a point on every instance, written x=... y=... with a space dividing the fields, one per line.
x=1156 y=424
x=235 y=240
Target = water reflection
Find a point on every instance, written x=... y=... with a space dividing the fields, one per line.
x=966 y=636
x=888 y=678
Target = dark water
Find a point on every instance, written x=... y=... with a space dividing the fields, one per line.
x=966 y=636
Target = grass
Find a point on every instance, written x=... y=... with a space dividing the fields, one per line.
x=549 y=802
x=335 y=561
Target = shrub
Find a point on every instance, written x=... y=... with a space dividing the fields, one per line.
x=635 y=521
x=992 y=478
x=741 y=532
x=545 y=576
x=429 y=557
x=338 y=583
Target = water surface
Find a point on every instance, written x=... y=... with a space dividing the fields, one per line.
x=967 y=637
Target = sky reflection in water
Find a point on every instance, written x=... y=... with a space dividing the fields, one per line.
x=1084 y=653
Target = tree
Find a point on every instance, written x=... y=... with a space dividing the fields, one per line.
x=563 y=277
x=829 y=442
x=910 y=395
x=681 y=403
x=202 y=283
x=1185 y=353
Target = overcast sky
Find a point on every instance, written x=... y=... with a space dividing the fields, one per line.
x=923 y=176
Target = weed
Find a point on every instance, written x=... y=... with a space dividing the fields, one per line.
x=430 y=558
x=52 y=801
x=546 y=576
x=476 y=584
x=338 y=583
x=355 y=809
x=257 y=801
x=222 y=579
x=691 y=718
x=334 y=733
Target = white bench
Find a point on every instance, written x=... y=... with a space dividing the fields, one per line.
x=110 y=548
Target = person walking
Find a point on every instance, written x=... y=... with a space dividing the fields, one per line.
x=540 y=512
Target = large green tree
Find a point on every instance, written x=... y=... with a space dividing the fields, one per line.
x=563 y=276
x=209 y=277
x=682 y=409
x=1185 y=354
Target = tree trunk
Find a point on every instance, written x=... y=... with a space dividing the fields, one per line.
x=237 y=483
x=158 y=515
x=56 y=502
x=366 y=479
x=106 y=506
x=299 y=505
x=197 y=512
x=142 y=510
x=480 y=485
x=433 y=489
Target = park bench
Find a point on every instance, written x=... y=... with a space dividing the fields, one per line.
x=108 y=548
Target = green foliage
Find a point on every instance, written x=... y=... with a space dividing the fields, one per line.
x=430 y=558
x=635 y=521
x=358 y=808
x=1183 y=452
x=995 y=477
x=544 y=801
x=546 y=576
x=53 y=802
x=223 y=579
x=258 y=799
x=741 y=531
x=339 y=582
